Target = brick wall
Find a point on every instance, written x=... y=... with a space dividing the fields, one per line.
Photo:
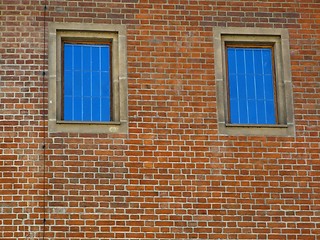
x=173 y=176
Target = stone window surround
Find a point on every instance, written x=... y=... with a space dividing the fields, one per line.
x=280 y=39
x=92 y=32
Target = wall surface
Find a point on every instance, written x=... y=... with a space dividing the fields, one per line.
x=172 y=176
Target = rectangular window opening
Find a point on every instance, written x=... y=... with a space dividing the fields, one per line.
x=251 y=84
x=86 y=81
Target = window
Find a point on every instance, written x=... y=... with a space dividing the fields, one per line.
x=254 y=89
x=88 y=81
x=250 y=83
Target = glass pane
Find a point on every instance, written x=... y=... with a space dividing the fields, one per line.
x=258 y=69
x=96 y=58
x=86 y=58
x=96 y=84
x=105 y=84
x=240 y=61
x=270 y=112
x=252 y=109
x=77 y=83
x=68 y=108
x=243 y=111
x=105 y=109
x=96 y=109
x=77 y=56
x=68 y=88
x=268 y=86
x=231 y=61
x=259 y=86
x=77 y=109
x=87 y=106
x=87 y=82
x=241 y=82
x=249 y=61
x=261 y=110
x=267 y=61
x=251 y=88
x=105 y=58
x=233 y=88
x=68 y=57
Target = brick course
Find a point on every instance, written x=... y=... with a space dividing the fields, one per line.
x=173 y=176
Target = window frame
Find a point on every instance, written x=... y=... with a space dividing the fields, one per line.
x=251 y=46
x=279 y=40
x=94 y=33
x=79 y=41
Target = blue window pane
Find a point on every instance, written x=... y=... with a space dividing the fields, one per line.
x=96 y=87
x=252 y=107
x=270 y=113
x=105 y=106
x=243 y=111
x=86 y=58
x=258 y=68
x=68 y=86
x=88 y=109
x=76 y=83
x=68 y=105
x=232 y=61
x=241 y=82
x=267 y=61
x=96 y=115
x=77 y=113
x=96 y=58
x=87 y=82
x=68 y=61
x=268 y=86
x=251 y=85
x=105 y=58
x=233 y=87
x=77 y=56
x=96 y=84
x=240 y=61
x=259 y=87
x=105 y=84
x=234 y=111
x=261 y=112
x=249 y=62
